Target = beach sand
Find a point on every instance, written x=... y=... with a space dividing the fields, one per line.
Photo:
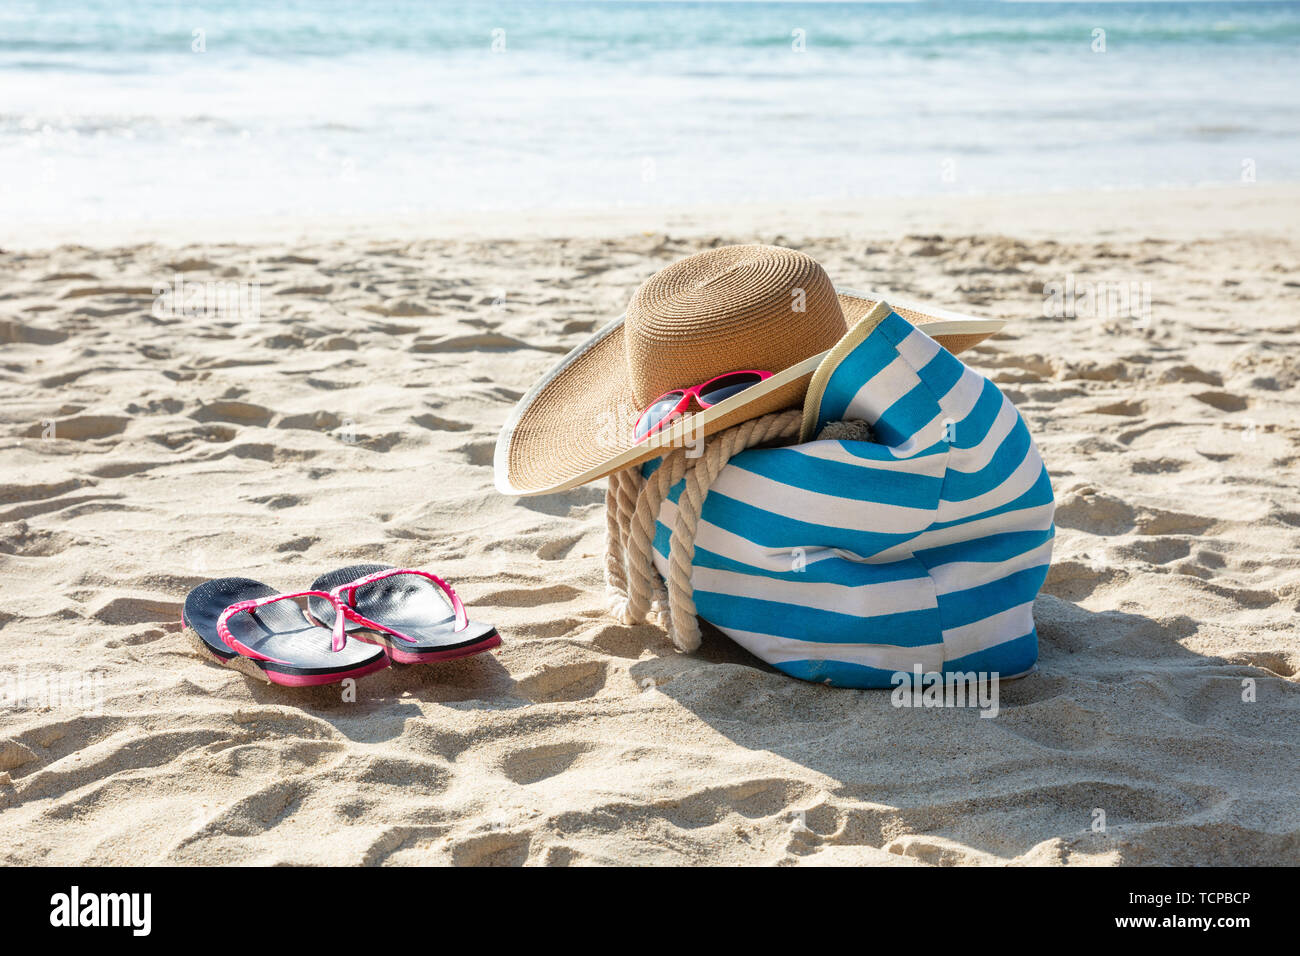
x=355 y=420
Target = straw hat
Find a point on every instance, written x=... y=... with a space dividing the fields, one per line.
x=735 y=307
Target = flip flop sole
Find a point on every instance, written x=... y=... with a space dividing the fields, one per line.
x=280 y=627
x=399 y=651
x=272 y=672
x=409 y=604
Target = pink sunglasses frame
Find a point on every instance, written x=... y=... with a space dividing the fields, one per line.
x=687 y=395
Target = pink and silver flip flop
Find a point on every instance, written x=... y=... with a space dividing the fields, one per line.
x=414 y=615
x=260 y=632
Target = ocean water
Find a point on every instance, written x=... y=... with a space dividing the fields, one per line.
x=141 y=110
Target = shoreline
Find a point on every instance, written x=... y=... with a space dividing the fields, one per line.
x=1264 y=209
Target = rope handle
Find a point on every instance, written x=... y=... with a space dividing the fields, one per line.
x=632 y=510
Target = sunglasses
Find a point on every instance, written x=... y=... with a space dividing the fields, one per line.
x=671 y=405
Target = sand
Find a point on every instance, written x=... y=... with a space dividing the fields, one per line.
x=355 y=420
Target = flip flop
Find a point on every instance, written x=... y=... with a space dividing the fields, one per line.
x=260 y=632
x=415 y=616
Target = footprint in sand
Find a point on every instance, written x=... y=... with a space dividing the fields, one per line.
x=137 y=291
x=191 y=265
x=1247 y=598
x=560 y=855
x=12 y=494
x=492 y=849
x=1158 y=550
x=1276 y=661
x=1016 y=377
x=564 y=682
x=70 y=277
x=134 y=610
x=398 y=308
x=620 y=641
x=80 y=428
x=1157 y=466
x=20 y=539
x=562 y=504
x=530 y=597
x=14 y=755
x=1076 y=581
x=935 y=851
x=1158 y=522
x=1131 y=435
x=1290 y=518
x=212 y=433
x=1223 y=401
x=1128 y=409
x=380 y=443
x=533 y=764
x=479 y=453
x=436 y=424
x=1047 y=394
x=296 y=545
x=545 y=629
x=754 y=799
x=95 y=312
x=335 y=343
x=311 y=421
x=233 y=412
x=13 y=332
x=325 y=289
x=277 y=502
x=479 y=342
x=1190 y=373
x=1090 y=371
x=1058 y=723
x=329 y=384
x=558 y=548
x=1091 y=510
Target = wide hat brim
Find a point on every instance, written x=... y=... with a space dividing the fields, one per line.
x=575 y=425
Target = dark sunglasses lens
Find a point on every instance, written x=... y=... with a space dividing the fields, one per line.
x=657 y=412
x=728 y=385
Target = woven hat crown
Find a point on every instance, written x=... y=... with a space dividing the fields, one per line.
x=735 y=307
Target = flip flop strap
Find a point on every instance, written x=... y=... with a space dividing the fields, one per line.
x=462 y=617
x=338 y=636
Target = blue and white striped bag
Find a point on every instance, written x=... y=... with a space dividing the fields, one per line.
x=848 y=562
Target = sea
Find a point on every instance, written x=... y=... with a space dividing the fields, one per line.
x=142 y=110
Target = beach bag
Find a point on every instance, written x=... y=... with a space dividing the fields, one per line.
x=920 y=546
